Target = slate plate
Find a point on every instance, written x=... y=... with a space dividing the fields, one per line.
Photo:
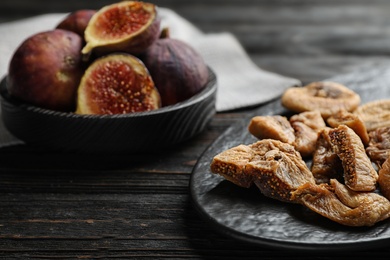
x=247 y=215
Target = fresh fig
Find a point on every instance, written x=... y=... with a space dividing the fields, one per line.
x=117 y=84
x=127 y=26
x=177 y=69
x=45 y=70
x=76 y=21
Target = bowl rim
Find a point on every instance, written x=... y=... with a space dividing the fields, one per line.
x=209 y=88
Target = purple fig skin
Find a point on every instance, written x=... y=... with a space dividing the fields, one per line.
x=77 y=21
x=178 y=71
x=46 y=69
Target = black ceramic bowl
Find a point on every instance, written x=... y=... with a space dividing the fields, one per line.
x=135 y=132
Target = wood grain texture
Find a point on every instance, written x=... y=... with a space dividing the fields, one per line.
x=68 y=206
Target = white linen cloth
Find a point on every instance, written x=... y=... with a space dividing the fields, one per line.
x=240 y=82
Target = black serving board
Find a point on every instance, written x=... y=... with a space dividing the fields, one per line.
x=247 y=215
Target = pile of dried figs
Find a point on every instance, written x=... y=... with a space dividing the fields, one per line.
x=330 y=155
x=115 y=60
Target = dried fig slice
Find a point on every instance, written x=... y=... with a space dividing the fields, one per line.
x=375 y=114
x=231 y=165
x=359 y=174
x=117 y=84
x=326 y=96
x=127 y=26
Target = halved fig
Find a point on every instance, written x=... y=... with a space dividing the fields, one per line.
x=127 y=26
x=359 y=174
x=325 y=96
x=326 y=164
x=375 y=114
x=117 y=84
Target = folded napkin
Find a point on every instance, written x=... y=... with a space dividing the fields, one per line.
x=240 y=82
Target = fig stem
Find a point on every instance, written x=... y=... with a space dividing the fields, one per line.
x=87 y=49
x=165 y=33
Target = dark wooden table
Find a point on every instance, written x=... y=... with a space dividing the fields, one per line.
x=61 y=205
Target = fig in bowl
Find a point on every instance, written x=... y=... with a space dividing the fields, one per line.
x=45 y=70
x=131 y=133
x=127 y=26
x=96 y=94
x=177 y=69
x=117 y=84
x=76 y=21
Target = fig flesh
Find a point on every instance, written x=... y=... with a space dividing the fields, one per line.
x=178 y=70
x=77 y=21
x=45 y=70
x=117 y=84
x=127 y=26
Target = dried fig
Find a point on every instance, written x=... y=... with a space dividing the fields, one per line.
x=276 y=168
x=384 y=178
x=46 y=69
x=375 y=114
x=178 y=71
x=359 y=174
x=275 y=127
x=351 y=120
x=326 y=164
x=378 y=149
x=339 y=203
x=327 y=97
x=127 y=26
x=117 y=84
